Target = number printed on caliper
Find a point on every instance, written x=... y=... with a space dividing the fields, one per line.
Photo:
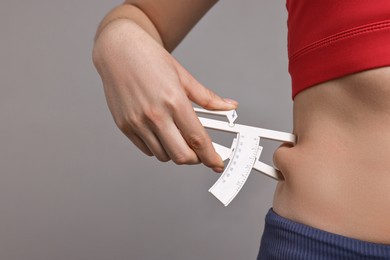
x=238 y=169
x=244 y=153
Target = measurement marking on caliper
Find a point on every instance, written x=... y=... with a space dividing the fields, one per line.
x=237 y=171
x=243 y=154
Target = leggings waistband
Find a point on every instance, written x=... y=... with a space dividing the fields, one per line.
x=286 y=239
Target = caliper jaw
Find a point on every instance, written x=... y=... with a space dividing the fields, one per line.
x=230 y=182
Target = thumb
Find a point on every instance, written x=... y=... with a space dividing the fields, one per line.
x=207 y=99
x=203 y=96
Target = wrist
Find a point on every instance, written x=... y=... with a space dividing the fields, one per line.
x=129 y=13
x=120 y=38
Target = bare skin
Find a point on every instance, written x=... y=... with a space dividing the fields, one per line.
x=336 y=176
x=148 y=92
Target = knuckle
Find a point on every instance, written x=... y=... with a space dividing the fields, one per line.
x=179 y=159
x=196 y=142
x=175 y=103
x=209 y=98
x=121 y=123
x=128 y=123
x=185 y=78
x=182 y=158
x=154 y=116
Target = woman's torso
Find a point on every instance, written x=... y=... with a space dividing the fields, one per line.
x=337 y=176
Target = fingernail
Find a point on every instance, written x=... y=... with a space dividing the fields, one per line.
x=218 y=169
x=230 y=101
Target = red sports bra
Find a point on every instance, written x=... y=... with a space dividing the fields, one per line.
x=333 y=38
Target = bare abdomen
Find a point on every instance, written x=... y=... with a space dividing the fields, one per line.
x=337 y=176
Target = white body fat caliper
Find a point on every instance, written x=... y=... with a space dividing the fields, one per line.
x=243 y=154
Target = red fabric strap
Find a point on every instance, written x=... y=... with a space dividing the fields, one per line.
x=333 y=38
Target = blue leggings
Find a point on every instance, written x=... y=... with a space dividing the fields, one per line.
x=287 y=240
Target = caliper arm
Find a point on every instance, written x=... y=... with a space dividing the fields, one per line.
x=243 y=154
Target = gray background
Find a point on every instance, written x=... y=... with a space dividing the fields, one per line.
x=73 y=187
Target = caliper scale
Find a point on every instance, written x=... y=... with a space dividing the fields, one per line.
x=243 y=154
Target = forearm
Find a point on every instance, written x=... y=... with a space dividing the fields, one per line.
x=150 y=95
x=167 y=21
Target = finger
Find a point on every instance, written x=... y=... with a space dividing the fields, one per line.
x=174 y=144
x=139 y=143
x=153 y=144
x=207 y=99
x=201 y=95
x=197 y=137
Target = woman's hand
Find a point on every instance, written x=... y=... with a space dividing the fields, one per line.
x=149 y=95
